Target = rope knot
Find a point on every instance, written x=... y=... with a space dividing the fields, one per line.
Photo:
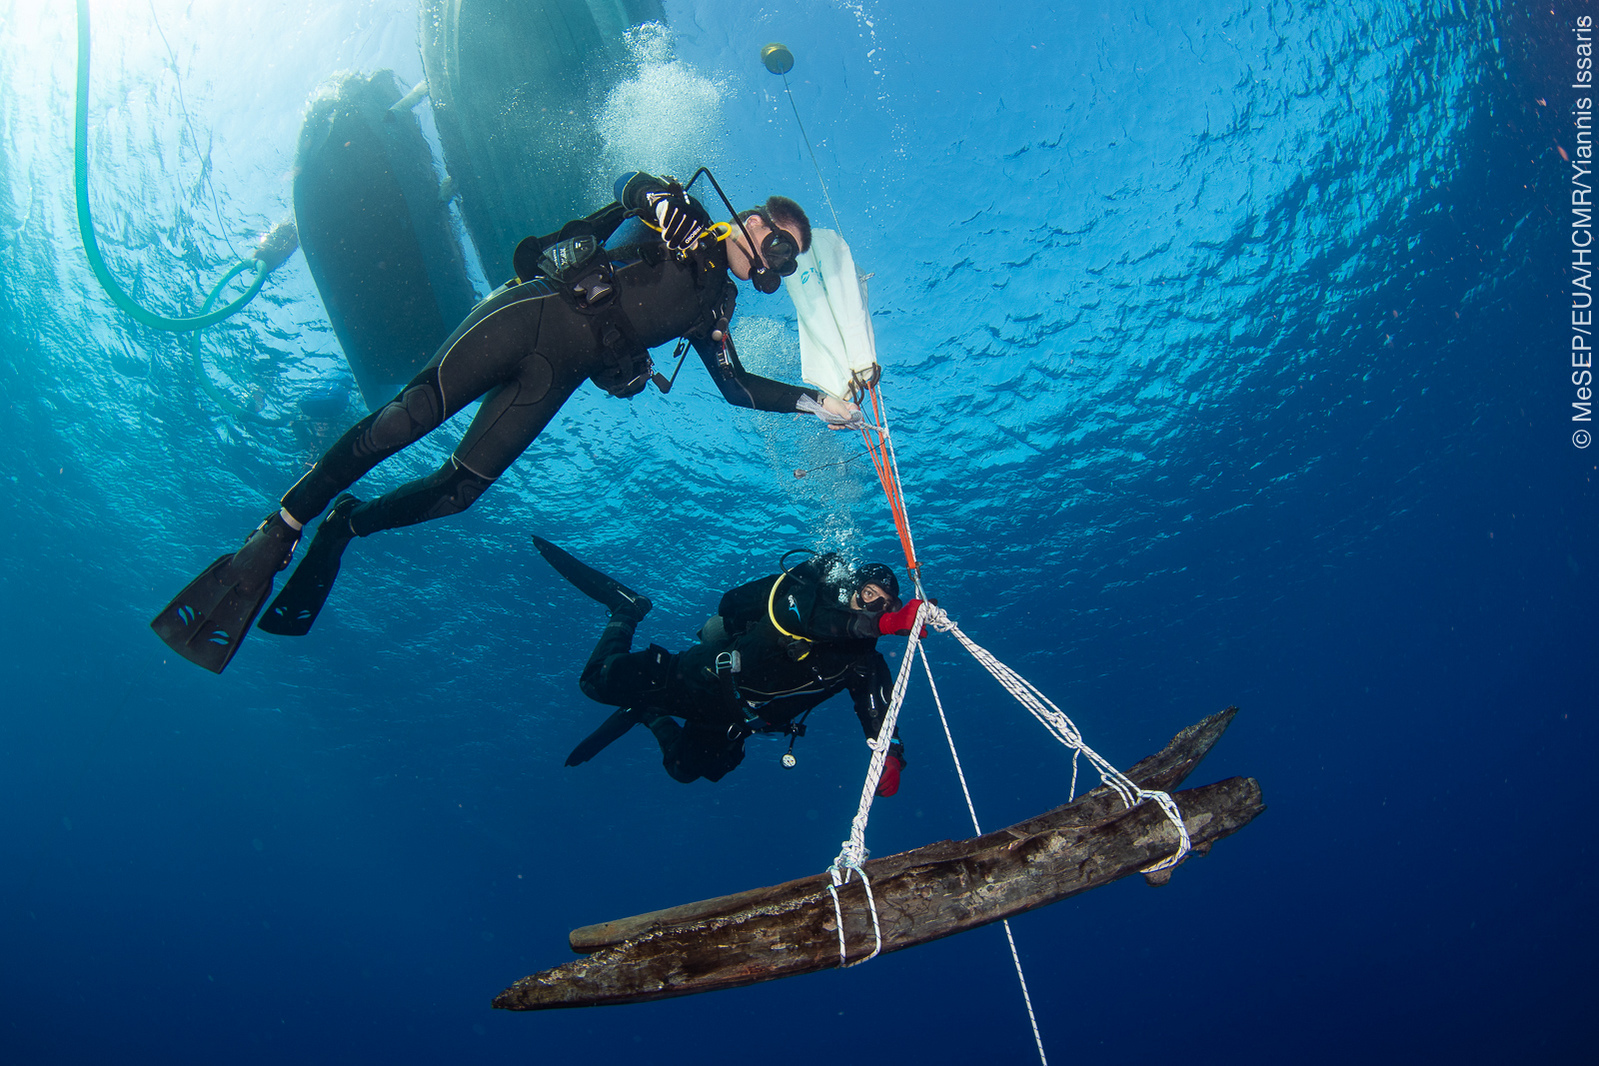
x=849 y=860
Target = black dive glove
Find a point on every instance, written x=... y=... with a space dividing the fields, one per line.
x=679 y=229
x=663 y=205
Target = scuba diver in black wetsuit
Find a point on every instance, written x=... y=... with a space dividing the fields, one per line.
x=777 y=647
x=588 y=303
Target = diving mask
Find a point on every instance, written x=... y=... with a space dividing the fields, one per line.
x=880 y=577
x=778 y=249
x=779 y=254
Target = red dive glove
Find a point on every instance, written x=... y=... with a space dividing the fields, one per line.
x=888 y=784
x=898 y=623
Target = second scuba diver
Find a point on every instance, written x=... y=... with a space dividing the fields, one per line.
x=777 y=647
x=587 y=304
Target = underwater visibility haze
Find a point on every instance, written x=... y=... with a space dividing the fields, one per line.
x=1229 y=353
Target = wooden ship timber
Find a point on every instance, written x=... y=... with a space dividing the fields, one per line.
x=921 y=895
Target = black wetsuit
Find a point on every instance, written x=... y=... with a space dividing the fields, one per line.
x=524 y=350
x=779 y=680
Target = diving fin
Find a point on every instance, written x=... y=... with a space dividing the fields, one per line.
x=594 y=585
x=303 y=595
x=609 y=732
x=207 y=620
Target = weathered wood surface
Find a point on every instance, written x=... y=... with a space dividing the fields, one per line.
x=921 y=895
x=1164 y=770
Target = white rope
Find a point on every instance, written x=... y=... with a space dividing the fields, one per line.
x=854 y=852
x=839 y=877
x=853 y=855
x=1027 y=1000
x=1056 y=721
x=977 y=828
x=953 y=754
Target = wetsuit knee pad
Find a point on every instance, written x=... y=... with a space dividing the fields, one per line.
x=638 y=675
x=411 y=415
x=459 y=489
x=678 y=771
x=449 y=490
x=703 y=750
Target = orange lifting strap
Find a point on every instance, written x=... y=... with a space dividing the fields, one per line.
x=877 y=443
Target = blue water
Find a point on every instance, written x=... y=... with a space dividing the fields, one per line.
x=1225 y=347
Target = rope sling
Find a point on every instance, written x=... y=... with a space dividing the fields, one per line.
x=850 y=860
x=880 y=445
